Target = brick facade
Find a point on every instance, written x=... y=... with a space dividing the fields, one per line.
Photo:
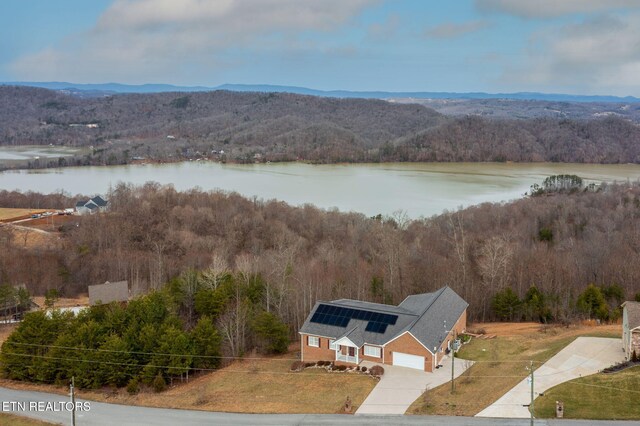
x=406 y=343
x=409 y=345
x=321 y=353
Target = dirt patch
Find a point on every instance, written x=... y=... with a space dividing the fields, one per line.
x=50 y=223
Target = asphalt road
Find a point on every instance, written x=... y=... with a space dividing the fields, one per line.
x=123 y=415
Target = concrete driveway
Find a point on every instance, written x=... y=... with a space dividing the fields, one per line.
x=582 y=357
x=400 y=386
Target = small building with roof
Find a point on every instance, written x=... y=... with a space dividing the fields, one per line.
x=631 y=328
x=415 y=334
x=108 y=292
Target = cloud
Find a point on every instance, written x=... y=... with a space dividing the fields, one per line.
x=454 y=30
x=147 y=40
x=598 y=55
x=230 y=16
x=552 y=8
x=384 y=30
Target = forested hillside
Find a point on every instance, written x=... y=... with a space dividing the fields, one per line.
x=247 y=127
x=557 y=243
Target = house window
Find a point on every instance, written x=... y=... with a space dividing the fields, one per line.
x=373 y=351
x=332 y=344
x=314 y=341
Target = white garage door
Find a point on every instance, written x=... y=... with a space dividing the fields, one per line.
x=406 y=360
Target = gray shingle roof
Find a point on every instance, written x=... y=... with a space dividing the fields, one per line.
x=440 y=316
x=633 y=313
x=423 y=315
x=99 y=201
x=355 y=335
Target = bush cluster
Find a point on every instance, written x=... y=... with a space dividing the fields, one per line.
x=377 y=370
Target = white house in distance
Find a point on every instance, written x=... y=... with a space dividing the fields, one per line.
x=631 y=328
x=94 y=205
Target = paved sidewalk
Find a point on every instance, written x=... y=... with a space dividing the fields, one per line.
x=400 y=386
x=582 y=357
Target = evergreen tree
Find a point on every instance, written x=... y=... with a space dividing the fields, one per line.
x=206 y=344
x=506 y=304
x=593 y=303
x=271 y=332
x=535 y=304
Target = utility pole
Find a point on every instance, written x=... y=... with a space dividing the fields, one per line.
x=73 y=402
x=531 y=405
x=453 y=360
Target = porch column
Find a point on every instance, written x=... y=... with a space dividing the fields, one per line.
x=357 y=351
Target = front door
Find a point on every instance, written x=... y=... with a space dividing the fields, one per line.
x=352 y=351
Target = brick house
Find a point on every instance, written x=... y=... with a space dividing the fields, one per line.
x=631 y=328
x=415 y=334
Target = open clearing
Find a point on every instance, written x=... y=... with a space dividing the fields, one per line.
x=501 y=364
x=250 y=386
x=598 y=397
x=65 y=302
x=31 y=238
x=7 y=214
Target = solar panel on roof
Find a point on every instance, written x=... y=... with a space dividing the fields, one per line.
x=339 y=316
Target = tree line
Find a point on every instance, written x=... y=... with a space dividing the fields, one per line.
x=153 y=339
x=559 y=243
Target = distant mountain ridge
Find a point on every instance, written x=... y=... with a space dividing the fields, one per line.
x=102 y=89
x=247 y=127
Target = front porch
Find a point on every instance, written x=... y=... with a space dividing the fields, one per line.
x=346 y=351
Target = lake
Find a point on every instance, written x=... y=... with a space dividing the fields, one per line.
x=420 y=189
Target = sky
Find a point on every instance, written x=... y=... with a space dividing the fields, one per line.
x=551 y=46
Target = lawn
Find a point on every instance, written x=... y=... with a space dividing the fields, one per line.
x=598 y=397
x=12 y=420
x=252 y=386
x=500 y=364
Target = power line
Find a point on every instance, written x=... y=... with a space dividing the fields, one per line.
x=80 y=360
x=603 y=387
x=75 y=348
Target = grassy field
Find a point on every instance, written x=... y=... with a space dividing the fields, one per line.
x=253 y=386
x=613 y=396
x=11 y=420
x=500 y=364
x=260 y=386
x=9 y=214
